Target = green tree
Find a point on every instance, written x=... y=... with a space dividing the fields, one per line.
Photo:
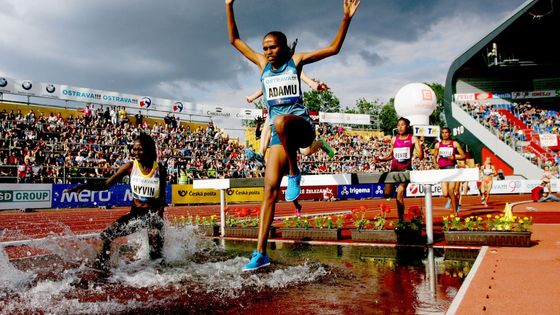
x=324 y=101
x=363 y=106
x=388 y=118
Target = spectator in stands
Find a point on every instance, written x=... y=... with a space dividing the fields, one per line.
x=86 y=111
x=113 y=113
x=139 y=119
x=403 y=146
x=107 y=114
x=123 y=118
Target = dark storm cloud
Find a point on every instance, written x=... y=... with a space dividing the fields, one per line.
x=132 y=46
x=372 y=59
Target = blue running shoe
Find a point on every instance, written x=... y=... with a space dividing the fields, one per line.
x=294 y=187
x=250 y=154
x=448 y=204
x=258 y=260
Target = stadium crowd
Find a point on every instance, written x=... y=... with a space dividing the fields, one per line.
x=50 y=148
x=538 y=119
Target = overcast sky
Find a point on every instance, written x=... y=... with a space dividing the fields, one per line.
x=179 y=48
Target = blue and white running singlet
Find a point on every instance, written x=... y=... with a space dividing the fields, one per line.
x=282 y=92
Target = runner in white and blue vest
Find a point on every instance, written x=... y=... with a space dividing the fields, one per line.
x=292 y=128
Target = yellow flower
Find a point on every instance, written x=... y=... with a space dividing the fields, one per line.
x=467 y=219
x=525 y=218
x=488 y=216
x=520 y=221
x=451 y=216
x=479 y=219
x=496 y=217
x=457 y=219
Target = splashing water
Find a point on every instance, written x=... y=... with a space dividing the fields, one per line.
x=11 y=278
x=196 y=273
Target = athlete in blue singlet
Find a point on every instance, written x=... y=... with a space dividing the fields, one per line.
x=292 y=128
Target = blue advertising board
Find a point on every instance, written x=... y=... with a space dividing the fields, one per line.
x=360 y=191
x=117 y=195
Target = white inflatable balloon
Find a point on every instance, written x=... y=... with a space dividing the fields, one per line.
x=416 y=102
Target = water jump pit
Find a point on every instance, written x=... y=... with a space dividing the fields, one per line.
x=202 y=275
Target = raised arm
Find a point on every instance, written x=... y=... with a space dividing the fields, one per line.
x=236 y=41
x=312 y=84
x=350 y=8
x=254 y=96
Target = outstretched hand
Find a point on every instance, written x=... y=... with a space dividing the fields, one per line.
x=229 y=1
x=322 y=87
x=350 y=7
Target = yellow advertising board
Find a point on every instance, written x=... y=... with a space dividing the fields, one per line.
x=185 y=194
x=245 y=194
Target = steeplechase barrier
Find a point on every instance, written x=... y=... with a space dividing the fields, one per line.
x=426 y=178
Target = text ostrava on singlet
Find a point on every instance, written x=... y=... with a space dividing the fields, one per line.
x=281 y=86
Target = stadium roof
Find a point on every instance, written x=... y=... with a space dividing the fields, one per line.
x=520 y=54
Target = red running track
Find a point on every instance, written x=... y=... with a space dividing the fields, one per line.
x=16 y=225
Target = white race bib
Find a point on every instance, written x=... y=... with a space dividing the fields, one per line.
x=145 y=187
x=446 y=152
x=401 y=154
x=281 y=86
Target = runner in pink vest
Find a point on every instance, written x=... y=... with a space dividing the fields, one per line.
x=403 y=146
x=446 y=154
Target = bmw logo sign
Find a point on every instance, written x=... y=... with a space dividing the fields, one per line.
x=3 y=82
x=178 y=107
x=145 y=102
x=50 y=88
x=27 y=85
